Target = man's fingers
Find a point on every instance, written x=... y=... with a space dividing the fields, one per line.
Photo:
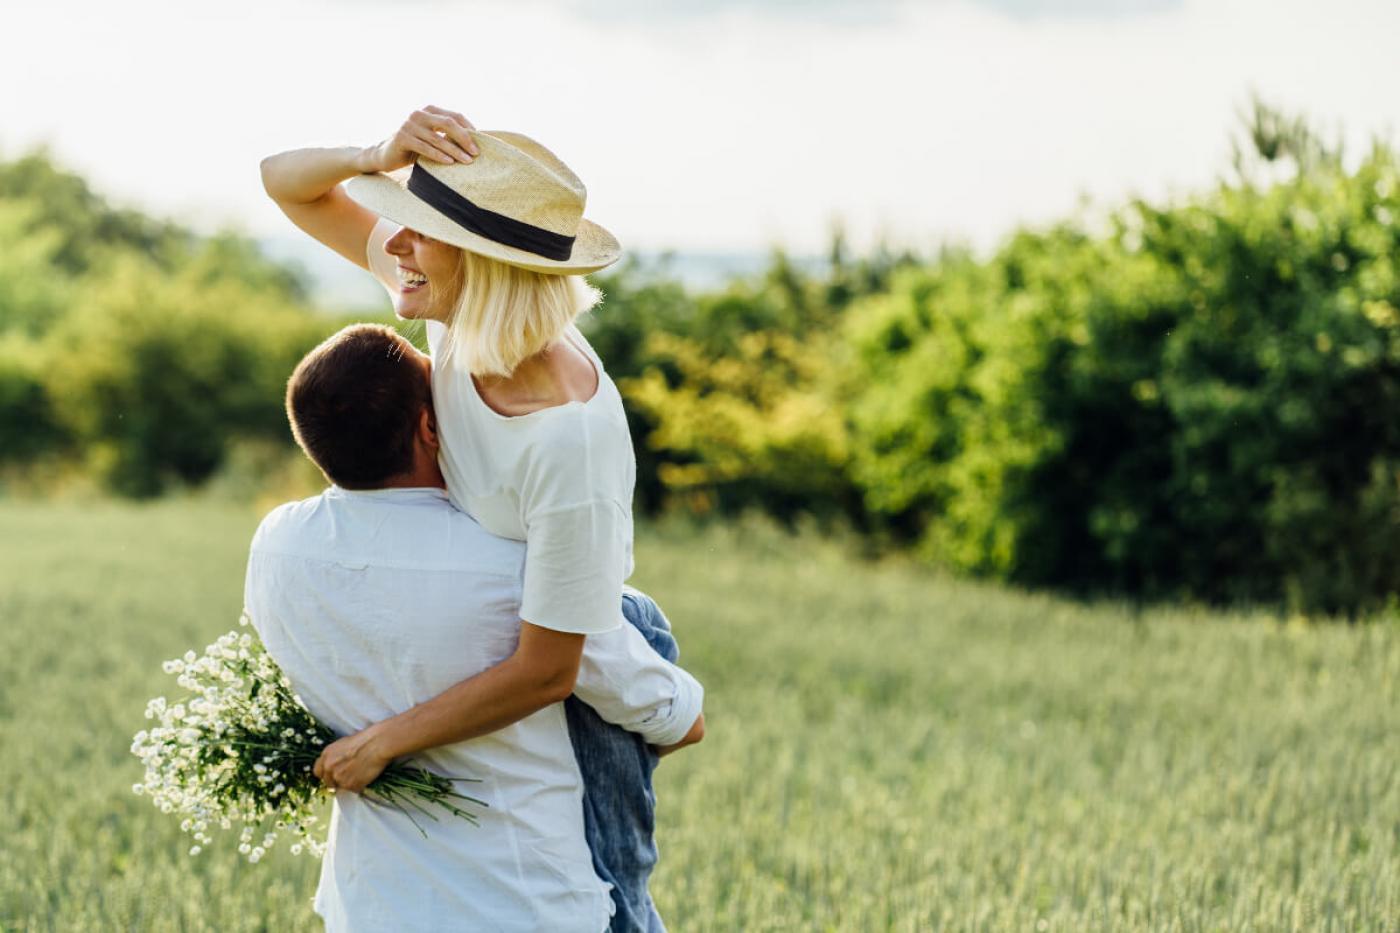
x=323 y=773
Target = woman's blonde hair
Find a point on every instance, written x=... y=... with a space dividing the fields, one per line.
x=505 y=314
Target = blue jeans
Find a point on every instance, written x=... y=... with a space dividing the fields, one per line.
x=619 y=808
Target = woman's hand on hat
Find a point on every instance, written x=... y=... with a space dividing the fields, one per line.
x=436 y=134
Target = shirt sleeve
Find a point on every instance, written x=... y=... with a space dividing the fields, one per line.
x=575 y=558
x=631 y=686
x=578 y=531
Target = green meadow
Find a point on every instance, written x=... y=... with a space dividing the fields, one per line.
x=886 y=748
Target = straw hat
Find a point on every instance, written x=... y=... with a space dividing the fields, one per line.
x=516 y=202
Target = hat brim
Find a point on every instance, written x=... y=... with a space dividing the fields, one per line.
x=594 y=247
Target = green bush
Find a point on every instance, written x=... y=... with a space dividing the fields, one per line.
x=734 y=396
x=1199 y=402
x=87 y=227
x=728 y=393
x=34 y=290
x=637 y=304
x=1194 y=399
x=753 y=428
x=156 y=374
x=28 y=423
x=130 y=346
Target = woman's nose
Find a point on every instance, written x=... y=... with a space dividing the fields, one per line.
x=398 y=243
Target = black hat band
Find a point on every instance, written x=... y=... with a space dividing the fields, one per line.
x=479 y=220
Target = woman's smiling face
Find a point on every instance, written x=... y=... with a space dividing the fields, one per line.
x=428 y=275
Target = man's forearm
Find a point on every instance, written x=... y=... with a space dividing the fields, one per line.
x=301 y=176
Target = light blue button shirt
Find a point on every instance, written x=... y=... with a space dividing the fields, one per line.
x=375 y=601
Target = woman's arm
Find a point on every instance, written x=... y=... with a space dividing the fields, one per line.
x=631 y=685
x=542 y=671
x=305 y=183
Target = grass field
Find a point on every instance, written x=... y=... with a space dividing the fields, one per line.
x=886 y=749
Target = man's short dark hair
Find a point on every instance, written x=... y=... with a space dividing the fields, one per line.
x=354 y=403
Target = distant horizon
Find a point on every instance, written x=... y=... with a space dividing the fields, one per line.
x=715 y=126
x=338 y=285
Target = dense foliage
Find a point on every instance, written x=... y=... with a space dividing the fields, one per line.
x=132 y=349
x=731 y=392
x=1194 y=399
x=1190 y=399
x=1201 y=401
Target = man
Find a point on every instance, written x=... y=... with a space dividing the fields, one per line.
x=377 y=596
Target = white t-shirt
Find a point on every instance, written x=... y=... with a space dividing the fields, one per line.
x=560 y=479
x=374 y=601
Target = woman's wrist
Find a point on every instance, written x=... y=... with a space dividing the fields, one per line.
x=301 y=176
x=367 y=160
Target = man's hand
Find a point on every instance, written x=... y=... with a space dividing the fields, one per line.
x=351 y=763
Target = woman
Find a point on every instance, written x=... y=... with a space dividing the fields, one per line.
x=484 y=241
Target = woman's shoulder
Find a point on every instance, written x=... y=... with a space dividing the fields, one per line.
x=582 y=451
x=576 y=429
x=576 y=335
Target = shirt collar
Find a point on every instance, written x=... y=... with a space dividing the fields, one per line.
x=405 y=494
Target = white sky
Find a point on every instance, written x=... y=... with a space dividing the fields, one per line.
x=709 y=125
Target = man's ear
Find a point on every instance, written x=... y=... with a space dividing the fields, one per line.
x=427 y=427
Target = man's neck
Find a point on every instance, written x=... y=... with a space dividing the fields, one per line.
x=416 y=479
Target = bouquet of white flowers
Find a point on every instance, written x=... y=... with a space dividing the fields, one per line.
x=240 y=749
